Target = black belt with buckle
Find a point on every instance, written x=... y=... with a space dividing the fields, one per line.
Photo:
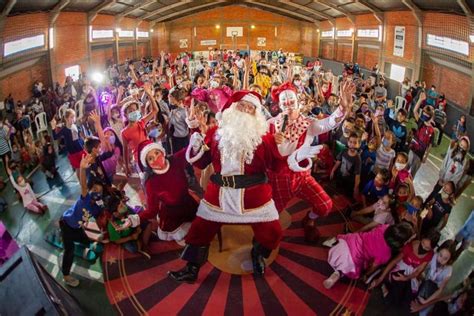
x=240 y=181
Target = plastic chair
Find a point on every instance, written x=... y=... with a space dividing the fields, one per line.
x=79 y=109
x=41 y=123
x=400 y=103
x=62 y=110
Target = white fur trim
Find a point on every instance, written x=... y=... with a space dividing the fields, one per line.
x=145 y=150
x=252 y=99
x=294 y=164
x=134 y=219
x=198 y=156
x=178 y=234
x=192 y=123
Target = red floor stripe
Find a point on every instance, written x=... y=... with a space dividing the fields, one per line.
x=315 y=280
x=175 y=301
x=299 y=215
x=217 y=300
x=331 y=230
x=146 y=278
x=292 y=304
x=250 y=298
x=312 y=252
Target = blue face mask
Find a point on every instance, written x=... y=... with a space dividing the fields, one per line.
x=134 y=116
x=425 y=117
x=385 y=142
x=112 y=139
x=96 y=196
x=411 y=209
x=153 y=133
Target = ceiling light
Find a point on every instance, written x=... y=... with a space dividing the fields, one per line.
x=218 y=26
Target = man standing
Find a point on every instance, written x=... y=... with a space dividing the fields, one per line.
x=241 y=151
x=294 y=131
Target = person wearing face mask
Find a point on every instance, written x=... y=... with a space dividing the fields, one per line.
x=76 y=218
x=115 y=121
x=292 y=130
x=380 y=92
x=423 y=137
x=263 y=80
x=135 y=130
x=399 y=171
x=219 y=93
x=400 y=277
x=439 y=207
x=454 y=165
x=168 y=198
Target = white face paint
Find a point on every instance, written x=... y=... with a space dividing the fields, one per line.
x=288 y=100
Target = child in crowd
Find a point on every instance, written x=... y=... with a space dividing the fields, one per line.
x=437 y=275
x=376 y=188
x=399 y=171
x=385 y=152
x=347 y=167
x=382 y=213
x=30 y=202
x=353 y=254
x=439 y=208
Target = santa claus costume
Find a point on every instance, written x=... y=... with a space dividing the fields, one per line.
x=241 y=151
x=166 y=186
x=296 y=131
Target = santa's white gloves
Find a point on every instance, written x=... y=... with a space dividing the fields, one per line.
x=196 y=143
x=304 y=153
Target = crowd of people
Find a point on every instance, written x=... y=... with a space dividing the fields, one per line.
x=248 y=134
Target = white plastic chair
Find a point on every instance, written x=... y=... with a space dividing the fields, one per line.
x=41 y=123
x=400 y=103
x=62 y=110
x=79 y=109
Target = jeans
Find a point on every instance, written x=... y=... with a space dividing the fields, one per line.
x=70 y=235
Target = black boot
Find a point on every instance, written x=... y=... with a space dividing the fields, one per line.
x=188 y=274
x=258 y=253
x=196 y=257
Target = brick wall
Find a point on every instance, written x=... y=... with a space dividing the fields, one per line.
x=406 y=19
x=367 y=57
x=20 y=83
x=327 y=50
x=291 y=35
x=100 y=55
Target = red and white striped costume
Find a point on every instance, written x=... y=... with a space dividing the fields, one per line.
x=287 y=183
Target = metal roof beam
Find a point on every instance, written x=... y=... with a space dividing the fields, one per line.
x=188 y=10
x=269 y=6
x=415 y=10
x=348 y=15
x=135 y=7
x=95 y=11
x=56 y=10
x=467 y=10
x=378 y=14
x=165 y=8
x=8 y=7
x=306 y=9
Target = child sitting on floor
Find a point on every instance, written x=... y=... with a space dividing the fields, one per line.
x=352 y=254
x=382 y=213
x=27 y=195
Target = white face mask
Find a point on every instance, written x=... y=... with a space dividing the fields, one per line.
x=400 y=166
x=213 y=84
x=444 y=195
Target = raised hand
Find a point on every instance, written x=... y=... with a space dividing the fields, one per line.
x=53 y=123
x=95 y=117
x=86 y=161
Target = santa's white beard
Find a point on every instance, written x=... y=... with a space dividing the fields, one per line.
x=239 y=134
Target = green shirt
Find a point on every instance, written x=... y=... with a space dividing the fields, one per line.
x=115 y=235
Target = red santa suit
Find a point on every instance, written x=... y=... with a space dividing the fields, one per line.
x=288 y=183
x=168 y=198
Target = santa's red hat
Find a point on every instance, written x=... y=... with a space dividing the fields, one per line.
x=244 y=95
x=286 y=86
x=144 y=148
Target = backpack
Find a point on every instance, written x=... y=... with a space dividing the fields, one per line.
x=422 y=139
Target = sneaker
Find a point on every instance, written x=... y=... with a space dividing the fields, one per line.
x=330 y=242
x=329 y=282
x=71 y=281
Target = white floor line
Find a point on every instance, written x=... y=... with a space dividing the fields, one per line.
x=58 y=200
x=53 y=259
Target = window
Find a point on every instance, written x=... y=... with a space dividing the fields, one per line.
x=23 y=44
x=123 y=33
x=328 y=33
x=73 y=72
x=141 y=34
x=372 y=33
x=345 y=33
x=397 y=73
x=98 y=34
x=448 y=43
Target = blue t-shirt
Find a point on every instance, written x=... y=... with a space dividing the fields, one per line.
x=371 y=191
x=81 y=212
x=366 y=164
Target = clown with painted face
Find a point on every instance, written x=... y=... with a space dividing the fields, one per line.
x=167 y=194
x=293 y=131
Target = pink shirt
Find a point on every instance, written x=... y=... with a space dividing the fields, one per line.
x=367 y=247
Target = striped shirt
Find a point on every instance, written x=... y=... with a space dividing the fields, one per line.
x=439 y=116
x=383 y=158
x=4 y=146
